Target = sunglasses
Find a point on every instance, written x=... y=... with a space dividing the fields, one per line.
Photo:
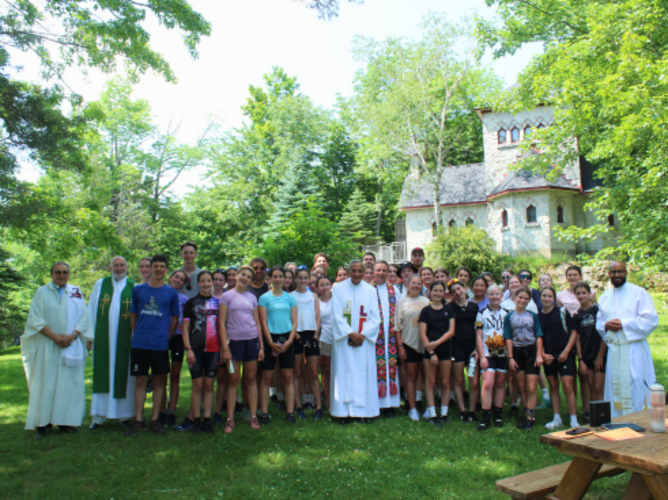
x=505 y=278
x=525 y=276
x=61 y=273
x=301 y=268
x=188 y=285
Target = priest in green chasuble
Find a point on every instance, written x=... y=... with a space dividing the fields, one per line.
x=109 y=306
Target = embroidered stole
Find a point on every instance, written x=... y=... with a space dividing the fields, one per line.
x=382 y=367
x=123 y=340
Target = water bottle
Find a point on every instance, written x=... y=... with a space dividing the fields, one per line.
x=472 y=366
x=657 y=408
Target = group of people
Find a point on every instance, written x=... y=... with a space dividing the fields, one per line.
x=362 y=342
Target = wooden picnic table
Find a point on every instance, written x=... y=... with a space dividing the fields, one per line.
x=646 y=458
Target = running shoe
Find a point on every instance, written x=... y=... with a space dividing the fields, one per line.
x=414 y=415
x=300 y=414
x=484 y=425
x=435 y=422
x=473 y=417
x=136 y=427
x=186 y=425
x=265 y=419
x=498 y=422
x=218 y=419
x=523 y=423
x=544 y=405
x=157 y=427
x=555 y=424
x=290 y=418
x=317 y=415
x=464 y=416
x=529 y=425
x=444 y=419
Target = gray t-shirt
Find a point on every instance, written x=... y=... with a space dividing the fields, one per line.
x=190 y=288
x=523 y=328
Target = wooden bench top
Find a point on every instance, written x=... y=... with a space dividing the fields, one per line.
x=538 y=483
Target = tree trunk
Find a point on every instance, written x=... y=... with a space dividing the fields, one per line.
x=379 y=219
x=437 y=202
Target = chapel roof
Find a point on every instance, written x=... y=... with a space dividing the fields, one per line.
x=525 y=179
x=459 y=185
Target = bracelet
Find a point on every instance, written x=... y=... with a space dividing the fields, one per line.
x=400 y=345
x=188 y=348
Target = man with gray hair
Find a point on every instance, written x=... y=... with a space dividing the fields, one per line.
x=109 y=307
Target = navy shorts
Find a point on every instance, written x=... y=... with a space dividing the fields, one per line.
x=206 y=365
x=143 y=360
x=244 y=350
x=286 y=358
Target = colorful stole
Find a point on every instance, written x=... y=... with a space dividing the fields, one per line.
x=381 y=369
x=123 y=340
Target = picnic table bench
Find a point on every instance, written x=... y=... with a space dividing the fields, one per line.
x=593 y=458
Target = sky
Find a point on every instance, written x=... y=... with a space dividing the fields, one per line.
x=250 y=37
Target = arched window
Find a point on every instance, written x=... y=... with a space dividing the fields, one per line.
x=540 y=125
x=515 y=135
x=531 y=214
x=527 y=131
x=502 y=136
x=611 y=220
x=452 y=223
x=560 y=214
x=504 y=218
x=469 y=221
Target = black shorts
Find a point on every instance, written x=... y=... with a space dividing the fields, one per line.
x=566 y=369
x=141 y=360
x=412 y=356
x=462 y=354
x=244 y=350
x=442 y=354
x=286 y=358
x=591 y=364
x=496 y=364
x=206 y=365
x=525 y=357
x=307 y=345
x=176 y=348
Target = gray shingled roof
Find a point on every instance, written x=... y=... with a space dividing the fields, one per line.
x=524 y=179
x=460 y=184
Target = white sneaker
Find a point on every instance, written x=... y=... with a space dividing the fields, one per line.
x=574 y=422
x=555 y=424
x=414 y=415
x=426 y=415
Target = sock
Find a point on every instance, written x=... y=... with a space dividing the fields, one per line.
x=556 y=418
x=280 y=396
x=486 y=414
x=574 y=421
x=418 y=395
x=531 y=414
x=546 y=394
x=497 y=413
x=444 y=411
x=432 y=411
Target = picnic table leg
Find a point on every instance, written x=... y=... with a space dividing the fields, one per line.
x=577 y=479
x=637 y=489
x=658 y=486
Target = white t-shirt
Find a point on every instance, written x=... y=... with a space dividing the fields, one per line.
x=326 y=322
x=305 y=311
x=509 y=305
x=491 y=323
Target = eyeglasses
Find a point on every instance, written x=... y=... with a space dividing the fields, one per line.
x=259 y=268
x=61 y=273
x=525 y=276
x=505 y=278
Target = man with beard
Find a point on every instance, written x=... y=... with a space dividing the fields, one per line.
x=625 y=319
x=109 y=308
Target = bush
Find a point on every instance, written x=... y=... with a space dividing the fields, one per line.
x=466 y=246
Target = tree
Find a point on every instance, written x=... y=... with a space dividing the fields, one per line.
x=416 y=99
x=358 y=219
x=296 y=189
x=603 y=69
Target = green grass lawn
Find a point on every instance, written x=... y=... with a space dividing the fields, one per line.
x=384 y=459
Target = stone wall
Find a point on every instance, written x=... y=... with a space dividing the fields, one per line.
x=419 y=229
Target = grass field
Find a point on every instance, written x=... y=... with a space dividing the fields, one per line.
x=385 y=459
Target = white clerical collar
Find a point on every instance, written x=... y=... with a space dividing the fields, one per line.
x=358 y=284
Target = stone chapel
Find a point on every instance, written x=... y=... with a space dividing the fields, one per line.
x=519 y=210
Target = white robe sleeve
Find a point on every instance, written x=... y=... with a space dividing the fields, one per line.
x=85 y=325
x=601 y=320
x=644 y=322
x=36 y=316
x=94 y=303
x=371 y=326
x=341 y=328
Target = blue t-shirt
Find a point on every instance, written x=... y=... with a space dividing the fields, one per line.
x=279 y=311
x=154 y=308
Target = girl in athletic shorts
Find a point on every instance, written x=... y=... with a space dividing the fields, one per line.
x=437 y=327
x=591 y=348
x=524 y=345
x=202 y=342
x=463 y=350
x=407 y=329
x=238 y=321
x=278 y=315
x=493 y=360
x=308 y=326
x=326 y=334
x=558 y=344
x=219 y=284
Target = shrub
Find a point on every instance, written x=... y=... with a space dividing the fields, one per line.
x=466 y=246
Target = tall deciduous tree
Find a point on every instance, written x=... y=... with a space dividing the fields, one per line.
x=415 y=100
x=604 y=71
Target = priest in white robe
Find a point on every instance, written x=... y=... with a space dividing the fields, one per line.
x=356 y=319
x=54 y=352
x=387 y=357
x=625 y=319
x=109 y=308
